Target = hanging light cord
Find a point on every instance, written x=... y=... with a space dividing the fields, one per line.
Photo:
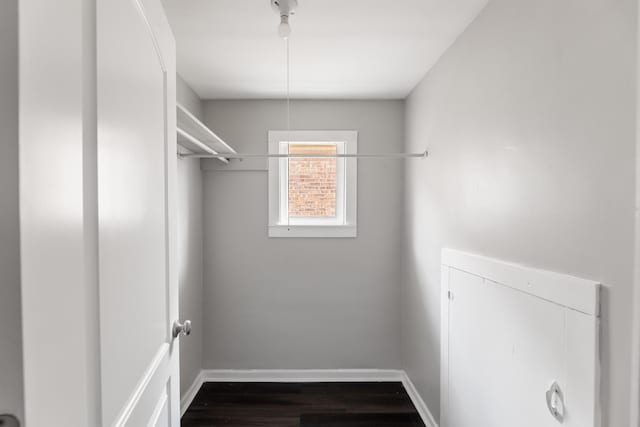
x=288 y=85
x=288 y=60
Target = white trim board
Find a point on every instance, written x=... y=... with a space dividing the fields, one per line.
x=569 y=291
x=421 y=406
x=310 y=376
x=191 y=392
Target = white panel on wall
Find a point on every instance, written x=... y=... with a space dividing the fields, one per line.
x=506 y=346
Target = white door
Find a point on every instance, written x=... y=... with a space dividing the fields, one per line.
x=136 y=214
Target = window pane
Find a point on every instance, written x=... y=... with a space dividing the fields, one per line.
x=312 y=182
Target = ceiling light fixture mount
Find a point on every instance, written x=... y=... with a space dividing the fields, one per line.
x=285 y=9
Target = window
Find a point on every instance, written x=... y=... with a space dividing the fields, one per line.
x=312 y=196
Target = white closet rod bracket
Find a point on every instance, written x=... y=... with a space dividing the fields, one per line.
x=212 y=153
x=241 y=156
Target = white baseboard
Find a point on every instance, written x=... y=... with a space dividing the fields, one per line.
x=309 y=376
x=421 y=406
x=302 y=375
x=190 y=394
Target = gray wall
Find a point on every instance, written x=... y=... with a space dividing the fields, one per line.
x=188 y=98
x=190 y=247
x=530 y=120
x=190 y=267
x=11 y=400
x=302 y=303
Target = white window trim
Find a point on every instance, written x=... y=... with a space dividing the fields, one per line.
x=279 y=225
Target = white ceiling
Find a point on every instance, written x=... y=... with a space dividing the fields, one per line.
x=347 y=49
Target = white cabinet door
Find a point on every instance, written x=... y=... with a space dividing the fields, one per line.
x=136 y=180
x=510 y=333
x=505 y=350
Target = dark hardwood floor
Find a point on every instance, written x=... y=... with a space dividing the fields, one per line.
x=302 y=405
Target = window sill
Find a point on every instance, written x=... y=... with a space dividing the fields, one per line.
x=314 y=231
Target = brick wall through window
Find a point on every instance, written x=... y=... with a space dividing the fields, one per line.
x=312 y=181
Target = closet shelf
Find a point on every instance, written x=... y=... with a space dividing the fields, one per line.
x=198 y=138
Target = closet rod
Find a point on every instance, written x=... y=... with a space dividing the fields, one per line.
x=303 y=156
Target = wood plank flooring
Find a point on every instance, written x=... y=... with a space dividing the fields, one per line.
x=302 y=405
